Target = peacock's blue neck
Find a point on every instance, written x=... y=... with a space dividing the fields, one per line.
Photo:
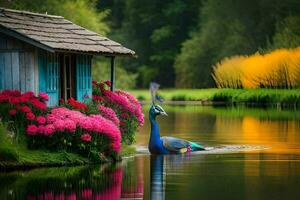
x=154 y=136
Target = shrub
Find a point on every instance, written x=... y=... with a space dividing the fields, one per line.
x=277 y=69
x=126 y=107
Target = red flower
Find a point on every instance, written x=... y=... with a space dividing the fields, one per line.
x=25 y=109
x=77 y=105
x=44 y=96
x=41 y=120
x=30 y=116
x=12 y=112
x=122 y=123
x=32 y=130
x=39 y=105
x=14 y=100
x=61 y=100
x=108 y=83
x=86 y=137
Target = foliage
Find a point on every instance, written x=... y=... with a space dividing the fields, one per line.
x=124 y=78
x=81 y=12
x=178 y=41
x=249 y=97
x=287 y=33
x=228 y=29
x=277 y=69
x=155 y=30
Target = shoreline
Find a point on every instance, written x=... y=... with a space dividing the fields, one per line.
x=280 y=98
x=295 y=105
x=39 y=159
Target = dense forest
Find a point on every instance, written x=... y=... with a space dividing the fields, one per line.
x=178 y=41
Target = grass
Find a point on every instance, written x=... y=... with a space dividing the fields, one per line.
x=17 y=156
x=283 y=97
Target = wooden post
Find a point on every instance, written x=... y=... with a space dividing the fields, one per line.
x=112 y=73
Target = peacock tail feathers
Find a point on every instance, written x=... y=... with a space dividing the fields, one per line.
x=196 y=147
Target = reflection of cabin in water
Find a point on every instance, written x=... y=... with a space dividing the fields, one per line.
x=46 y=53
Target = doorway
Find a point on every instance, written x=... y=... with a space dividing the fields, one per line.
x=67 y=76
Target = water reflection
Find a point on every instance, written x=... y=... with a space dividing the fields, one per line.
x=101 y=182
x=158 y=178
x=272 y=173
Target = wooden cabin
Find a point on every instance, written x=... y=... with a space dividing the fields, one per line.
x=47 y=53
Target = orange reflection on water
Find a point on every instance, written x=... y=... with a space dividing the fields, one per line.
x=280 y=136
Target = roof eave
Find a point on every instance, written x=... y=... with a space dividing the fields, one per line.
x=24 y=38
x=106 y=54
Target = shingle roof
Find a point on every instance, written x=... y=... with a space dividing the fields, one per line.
x=58 y=34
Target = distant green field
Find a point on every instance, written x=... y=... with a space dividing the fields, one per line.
x=229 y=96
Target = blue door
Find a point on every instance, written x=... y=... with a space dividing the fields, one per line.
x=84 y=77
x=49 y=76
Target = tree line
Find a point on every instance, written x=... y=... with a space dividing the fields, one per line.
x=178 y=41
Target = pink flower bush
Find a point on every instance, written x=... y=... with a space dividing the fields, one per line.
x=64 y=119
x=127 y=108
x=138 y=108
x=109 y=114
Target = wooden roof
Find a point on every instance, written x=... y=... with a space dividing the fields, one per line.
x=55 y=33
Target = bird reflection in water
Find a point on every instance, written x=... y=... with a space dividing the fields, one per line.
x=159 y=164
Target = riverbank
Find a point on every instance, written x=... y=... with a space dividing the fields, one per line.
x=248 y=97
x=16 y=156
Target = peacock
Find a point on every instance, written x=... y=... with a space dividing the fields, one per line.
x=165 y=145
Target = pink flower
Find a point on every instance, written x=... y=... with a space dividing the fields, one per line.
x=70 y=125
x=30 y=116
x=41 y=129
x=32 y=129
x=109 y=114
x=41 y=120
x=49 y=130
x=59 y=125
x=86 y=137
x=44 y=96
x=12 y=112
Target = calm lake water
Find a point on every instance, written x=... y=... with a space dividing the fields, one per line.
x=252 y=154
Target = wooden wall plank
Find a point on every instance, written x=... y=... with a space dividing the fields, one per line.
x=42 y=71
x=2 y=65
x=7 y=71
x=29 y=70
x=15 y=70
x=22 y=72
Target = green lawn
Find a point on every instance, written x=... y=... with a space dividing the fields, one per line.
x=230 y=96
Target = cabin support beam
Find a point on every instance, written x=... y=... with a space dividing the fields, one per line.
x=112 y=73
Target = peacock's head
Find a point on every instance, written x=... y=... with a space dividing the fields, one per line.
x=157 y=110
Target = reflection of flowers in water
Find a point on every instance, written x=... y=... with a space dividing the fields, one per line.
x=105 y=185
x=133 y=183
